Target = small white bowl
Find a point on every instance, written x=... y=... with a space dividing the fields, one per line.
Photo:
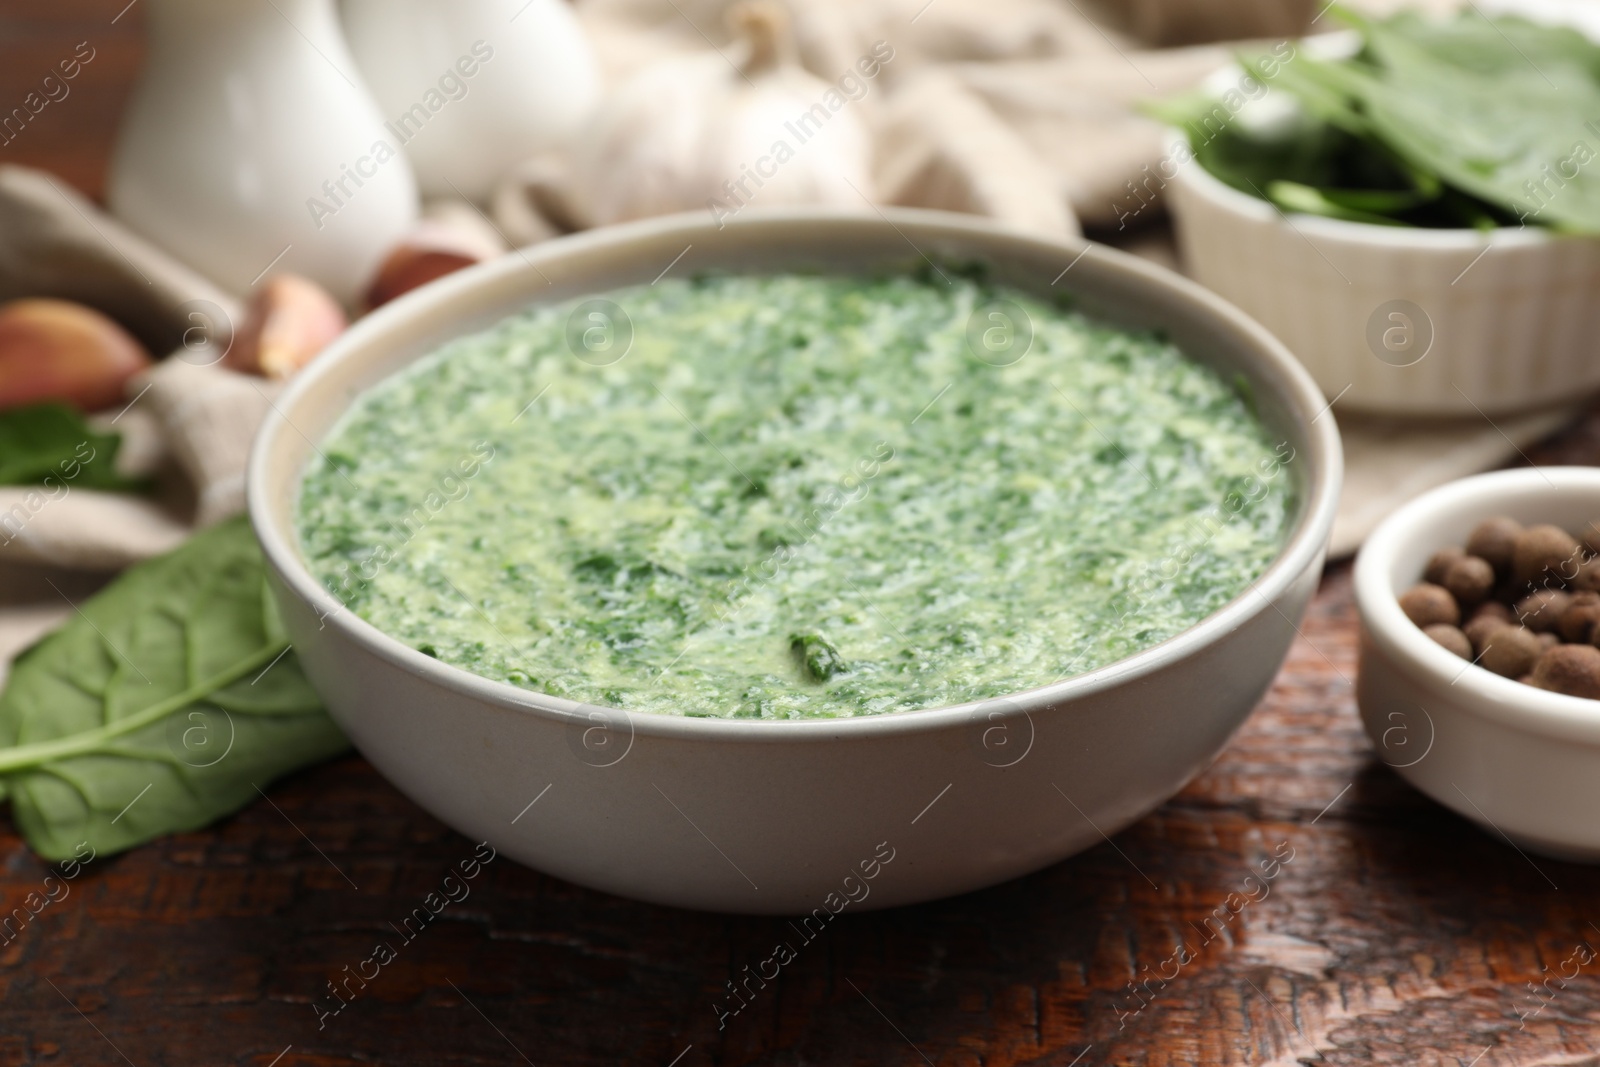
x=1399 y=320
x=1521 y=762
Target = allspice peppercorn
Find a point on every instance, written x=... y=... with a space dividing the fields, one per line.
x=1452 y=639
x=1468 y=579
x=1439 y=562
x=1494 y=539
x=1426 y=604
x=1577 y=622
x=1511 y=651
x=1479 y=629
x=1588 y=576
x=1541 y=611
x=1570 y=669
x=1493 y=609
x=1544 y=552
x=1591 y=537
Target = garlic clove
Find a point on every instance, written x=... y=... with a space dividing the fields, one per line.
x=431 y=250
x=290 y=319
x=60 y=350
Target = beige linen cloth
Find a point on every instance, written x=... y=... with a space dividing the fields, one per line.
x=187 y=425
x=1021 y=110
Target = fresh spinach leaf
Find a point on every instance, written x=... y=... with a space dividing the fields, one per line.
x=1491 y=46
x=1465 y=121
x=165 y=702
x=52 y=443
x=1520 y=139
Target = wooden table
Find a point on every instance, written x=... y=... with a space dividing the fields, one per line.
x=1395 y=932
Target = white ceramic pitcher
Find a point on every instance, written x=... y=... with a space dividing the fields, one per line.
x=251 y=142
x=475 y=86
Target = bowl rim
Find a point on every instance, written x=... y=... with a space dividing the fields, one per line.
x=1503 y=700
x=1322 y=473
x=1224 y=197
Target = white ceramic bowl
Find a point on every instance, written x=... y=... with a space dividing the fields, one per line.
x=779 y=817
x=1521 y=762
x=1397 y=320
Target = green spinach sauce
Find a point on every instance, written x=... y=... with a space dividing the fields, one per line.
x=792 y=497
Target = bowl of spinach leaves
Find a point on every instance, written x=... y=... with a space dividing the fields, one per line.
x=1412 y=206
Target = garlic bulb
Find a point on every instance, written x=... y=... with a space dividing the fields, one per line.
x=723 y=132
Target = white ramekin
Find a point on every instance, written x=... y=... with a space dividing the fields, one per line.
x=779 y=817
x=1490 y=322
x=1521 y=762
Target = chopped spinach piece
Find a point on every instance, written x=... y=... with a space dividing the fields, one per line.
x=817 y=659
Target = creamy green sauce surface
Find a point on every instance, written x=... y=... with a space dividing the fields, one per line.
x=791 y=497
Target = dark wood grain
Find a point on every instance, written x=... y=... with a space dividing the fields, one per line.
x=1396 y=934
x=70 y=135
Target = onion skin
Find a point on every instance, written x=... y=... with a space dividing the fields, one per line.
x=58 y=350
